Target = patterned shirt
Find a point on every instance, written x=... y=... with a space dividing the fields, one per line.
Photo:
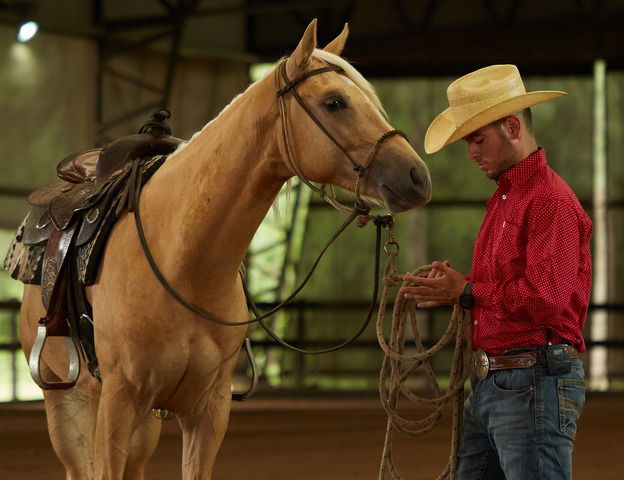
x=531 y=265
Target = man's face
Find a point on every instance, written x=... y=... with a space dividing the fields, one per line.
x=491 y=149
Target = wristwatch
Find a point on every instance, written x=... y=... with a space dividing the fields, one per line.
x=466 y=300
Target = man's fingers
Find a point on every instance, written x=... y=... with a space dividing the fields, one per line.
x=443 y=267
x=428 y=304
x=408 y=278
x=417 y=290
x=422 y=281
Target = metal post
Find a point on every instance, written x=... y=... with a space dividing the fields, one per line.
x=598 y=373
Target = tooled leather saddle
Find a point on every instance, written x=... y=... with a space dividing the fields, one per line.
x=69 y=220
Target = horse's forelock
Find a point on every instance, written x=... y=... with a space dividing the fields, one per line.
x=351 y=73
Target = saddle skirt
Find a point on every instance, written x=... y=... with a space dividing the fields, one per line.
x=60 y=243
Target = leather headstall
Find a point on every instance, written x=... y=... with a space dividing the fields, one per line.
x=290 y=87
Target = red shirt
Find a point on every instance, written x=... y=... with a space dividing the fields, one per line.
x=531 y=265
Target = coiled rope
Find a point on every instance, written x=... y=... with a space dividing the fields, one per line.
x=400 y=363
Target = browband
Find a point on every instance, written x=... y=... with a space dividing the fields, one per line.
x=291 y=84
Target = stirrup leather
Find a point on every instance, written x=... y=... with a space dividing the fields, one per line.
x=73 y=370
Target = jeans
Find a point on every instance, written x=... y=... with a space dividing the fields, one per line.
x=520 y=424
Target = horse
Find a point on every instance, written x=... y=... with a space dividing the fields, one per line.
x=200 y=211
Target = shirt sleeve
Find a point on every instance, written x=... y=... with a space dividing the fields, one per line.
x=553 y=251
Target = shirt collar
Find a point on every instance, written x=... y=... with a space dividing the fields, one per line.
x=523 y=171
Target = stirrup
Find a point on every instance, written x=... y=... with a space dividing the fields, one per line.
x=35 y=357
x=241 y=396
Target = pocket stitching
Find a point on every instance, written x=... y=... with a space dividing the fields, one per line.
x=568 y=406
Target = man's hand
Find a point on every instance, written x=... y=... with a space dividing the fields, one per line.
x=443 y=286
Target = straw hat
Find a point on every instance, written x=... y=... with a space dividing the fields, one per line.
x=480 y=98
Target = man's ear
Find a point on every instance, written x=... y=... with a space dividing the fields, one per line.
x=513 y=126
x=299 y=59
x=336 y=46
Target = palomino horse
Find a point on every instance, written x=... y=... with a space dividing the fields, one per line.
x=200 y=211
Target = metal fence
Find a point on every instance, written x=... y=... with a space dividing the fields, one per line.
x=292 y=371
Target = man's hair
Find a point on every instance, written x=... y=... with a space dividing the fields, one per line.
x=525 y=114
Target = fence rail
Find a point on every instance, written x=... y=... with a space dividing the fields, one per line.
x=299 y=315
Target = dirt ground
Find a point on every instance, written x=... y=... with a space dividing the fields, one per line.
x=308 y=439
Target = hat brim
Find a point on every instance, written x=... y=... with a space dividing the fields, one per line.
x=443 y=130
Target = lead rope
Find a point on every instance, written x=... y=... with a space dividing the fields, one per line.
x=398 y=366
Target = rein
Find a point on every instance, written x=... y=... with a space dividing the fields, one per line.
x=359 y=210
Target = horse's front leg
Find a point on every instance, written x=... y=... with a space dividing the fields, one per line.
x=121 y=412
x=203 y=432
x=142 y=447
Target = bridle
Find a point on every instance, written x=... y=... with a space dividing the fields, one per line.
x=359 y=210
x=359 y=168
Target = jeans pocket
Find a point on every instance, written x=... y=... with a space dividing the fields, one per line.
x=516 y=381
x=571 y=393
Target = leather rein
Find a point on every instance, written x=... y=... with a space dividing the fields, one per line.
x=359 y=210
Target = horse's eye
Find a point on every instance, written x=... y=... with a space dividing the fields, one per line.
x=333 y=104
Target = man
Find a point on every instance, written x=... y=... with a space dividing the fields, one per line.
x=528 y=291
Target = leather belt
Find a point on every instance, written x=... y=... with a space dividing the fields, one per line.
x=483 y=363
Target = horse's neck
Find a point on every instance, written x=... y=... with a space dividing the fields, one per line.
x=212 y=195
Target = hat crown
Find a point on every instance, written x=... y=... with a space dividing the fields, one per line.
x=482 y=89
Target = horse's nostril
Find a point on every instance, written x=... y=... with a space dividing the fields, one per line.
x=417 y=179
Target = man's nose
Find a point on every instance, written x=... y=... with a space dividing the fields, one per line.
x=473 y=152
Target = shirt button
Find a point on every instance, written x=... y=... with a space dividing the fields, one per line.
x=504 y=197
x=475 y=322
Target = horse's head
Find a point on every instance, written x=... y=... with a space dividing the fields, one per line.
x=337 y=130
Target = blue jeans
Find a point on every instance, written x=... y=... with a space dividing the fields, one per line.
x=520 y=424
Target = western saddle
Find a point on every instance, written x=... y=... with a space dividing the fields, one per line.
x=72 y=218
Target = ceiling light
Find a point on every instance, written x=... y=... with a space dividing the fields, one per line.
x=27 y=31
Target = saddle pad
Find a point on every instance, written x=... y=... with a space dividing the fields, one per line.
x=24 y=262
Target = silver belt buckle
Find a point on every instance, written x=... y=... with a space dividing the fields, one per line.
x=481 y=364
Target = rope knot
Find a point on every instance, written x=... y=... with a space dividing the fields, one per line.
x=392 y=280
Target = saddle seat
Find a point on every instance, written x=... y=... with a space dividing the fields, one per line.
x=86 y=177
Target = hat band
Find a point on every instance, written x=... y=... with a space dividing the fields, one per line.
x=463 y=111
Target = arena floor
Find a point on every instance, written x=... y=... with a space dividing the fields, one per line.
x=284 y=439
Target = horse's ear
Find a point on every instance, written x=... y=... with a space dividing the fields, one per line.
x=299 y=59
x=336 y=46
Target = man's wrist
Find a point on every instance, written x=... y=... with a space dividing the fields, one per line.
x=466 y=300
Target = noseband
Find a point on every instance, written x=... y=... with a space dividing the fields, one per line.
x=359 y=168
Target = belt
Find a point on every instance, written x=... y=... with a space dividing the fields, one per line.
x=483 y=363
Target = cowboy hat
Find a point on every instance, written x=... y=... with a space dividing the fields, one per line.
x=478 y=99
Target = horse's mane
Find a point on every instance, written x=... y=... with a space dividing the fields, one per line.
x=333 y=59
x=351 y=73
